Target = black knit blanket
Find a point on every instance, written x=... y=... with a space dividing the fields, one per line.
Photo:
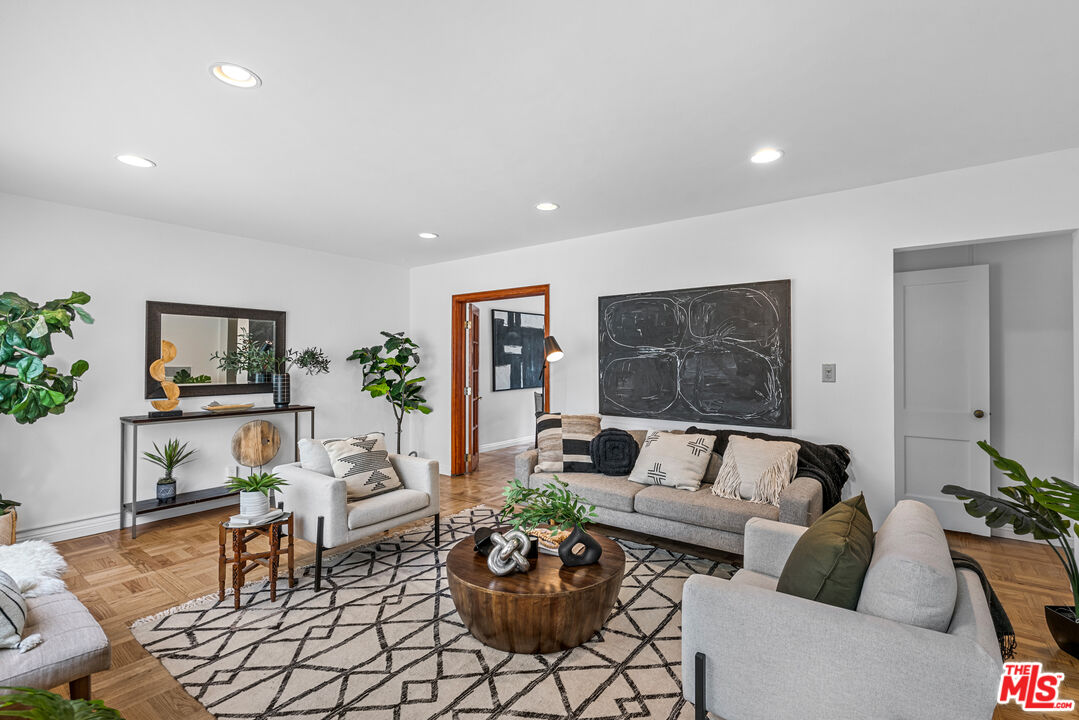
x=1001 y=623
x=827 y=464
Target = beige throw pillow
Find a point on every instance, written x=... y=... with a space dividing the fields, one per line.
x=673 y=459
x=363 y=463
x=756 y=470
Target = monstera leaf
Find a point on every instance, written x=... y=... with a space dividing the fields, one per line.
x=42 y=705
x=1043 y=508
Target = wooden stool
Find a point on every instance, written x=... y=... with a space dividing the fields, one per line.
x=244 y=562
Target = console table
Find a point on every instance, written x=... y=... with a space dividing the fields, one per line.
x=136 y=507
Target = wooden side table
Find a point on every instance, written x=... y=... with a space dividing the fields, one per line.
x=244 y=562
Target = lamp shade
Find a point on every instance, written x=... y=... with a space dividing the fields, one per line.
x=551 y=351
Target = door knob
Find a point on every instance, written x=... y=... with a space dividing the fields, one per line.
x=979 y=414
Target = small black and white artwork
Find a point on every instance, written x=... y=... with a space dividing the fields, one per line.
x=516 y=350
x=717 y=354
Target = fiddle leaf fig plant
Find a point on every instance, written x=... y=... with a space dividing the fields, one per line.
x=29 y=388
x=387 y=370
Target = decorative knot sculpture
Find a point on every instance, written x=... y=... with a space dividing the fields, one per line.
x=508 y=552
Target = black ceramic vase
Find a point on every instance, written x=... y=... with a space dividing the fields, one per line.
x=591 y=553
x=1063 y=628
x=282 y=390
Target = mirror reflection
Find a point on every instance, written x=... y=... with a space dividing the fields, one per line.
x=218 y=350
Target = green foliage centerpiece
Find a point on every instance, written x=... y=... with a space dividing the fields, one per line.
x=250 y=356
x=30 y=389
x=563 y=512
x=387 y=370
x=1047 y=509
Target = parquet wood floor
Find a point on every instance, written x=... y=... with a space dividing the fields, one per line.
x=172 y=561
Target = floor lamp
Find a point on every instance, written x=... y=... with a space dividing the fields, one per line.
x=552 y=352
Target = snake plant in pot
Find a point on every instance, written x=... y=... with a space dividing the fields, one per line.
x=1048 y=509
x=172 y=456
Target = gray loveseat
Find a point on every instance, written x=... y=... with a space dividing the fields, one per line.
x=700 y=517
x=920 y=644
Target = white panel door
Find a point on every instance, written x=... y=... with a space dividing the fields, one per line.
x=942 y=388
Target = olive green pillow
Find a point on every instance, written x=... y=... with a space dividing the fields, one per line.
x=829 y=561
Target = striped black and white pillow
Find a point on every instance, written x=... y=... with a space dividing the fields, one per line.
x=12 y=612
x=577 y=434
x=549 y=442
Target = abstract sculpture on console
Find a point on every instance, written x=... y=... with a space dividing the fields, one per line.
x=508 y=552
x=167 y=407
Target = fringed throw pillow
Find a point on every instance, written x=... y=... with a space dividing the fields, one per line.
x=673 y=459
x=363 y=463
x=756 y=470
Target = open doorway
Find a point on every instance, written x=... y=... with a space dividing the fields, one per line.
x=473 y=372
x=984 y=350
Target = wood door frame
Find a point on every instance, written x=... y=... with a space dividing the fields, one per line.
x=459 y=305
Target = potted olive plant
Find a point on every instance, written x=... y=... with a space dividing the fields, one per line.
x=255 y=491
x=250 y=356
x=8 y=516
x=311 y=359
x=168 y=459
x=555 y=516
x=1048 y=510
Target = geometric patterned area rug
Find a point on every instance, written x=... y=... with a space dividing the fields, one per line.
x=383 y=640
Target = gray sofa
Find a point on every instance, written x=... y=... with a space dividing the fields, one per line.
x=74 y=647
x=921 y=643
x=700 y=517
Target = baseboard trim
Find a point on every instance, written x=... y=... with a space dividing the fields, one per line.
x=106 y=523
x=507 y=443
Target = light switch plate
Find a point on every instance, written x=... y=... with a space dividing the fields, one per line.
x=827 y=372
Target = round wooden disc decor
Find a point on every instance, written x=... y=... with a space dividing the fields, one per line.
x=255 y=443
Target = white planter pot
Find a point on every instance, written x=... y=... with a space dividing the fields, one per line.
x=254 y=503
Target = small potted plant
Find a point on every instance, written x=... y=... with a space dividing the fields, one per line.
x=168 y=459
x=562 y=512
x=255 y=491
x=311 y=359
x=1048 y=510
x=8 y=516
x=36 y=704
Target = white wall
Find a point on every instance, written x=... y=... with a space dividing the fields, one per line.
x=1031 y=361
x=507 y=416
x=837 y=250
x=65 y=469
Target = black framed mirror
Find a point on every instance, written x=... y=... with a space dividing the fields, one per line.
x=203 y=333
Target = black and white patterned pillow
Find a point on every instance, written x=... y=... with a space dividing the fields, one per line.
x=12 y=612
x=673 y=459
x=363 y=463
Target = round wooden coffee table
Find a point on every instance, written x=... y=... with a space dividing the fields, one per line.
x=547 y=609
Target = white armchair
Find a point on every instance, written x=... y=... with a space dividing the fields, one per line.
x=324 y=516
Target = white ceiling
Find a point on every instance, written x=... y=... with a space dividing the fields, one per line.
x=378 y=120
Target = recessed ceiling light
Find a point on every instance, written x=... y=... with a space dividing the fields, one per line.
x=547 y=206
x=136 y=161
x=766 y=155
x=428 y=236
x=235 y=75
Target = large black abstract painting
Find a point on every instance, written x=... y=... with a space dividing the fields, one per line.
x=717 y=354
x=516 y=350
